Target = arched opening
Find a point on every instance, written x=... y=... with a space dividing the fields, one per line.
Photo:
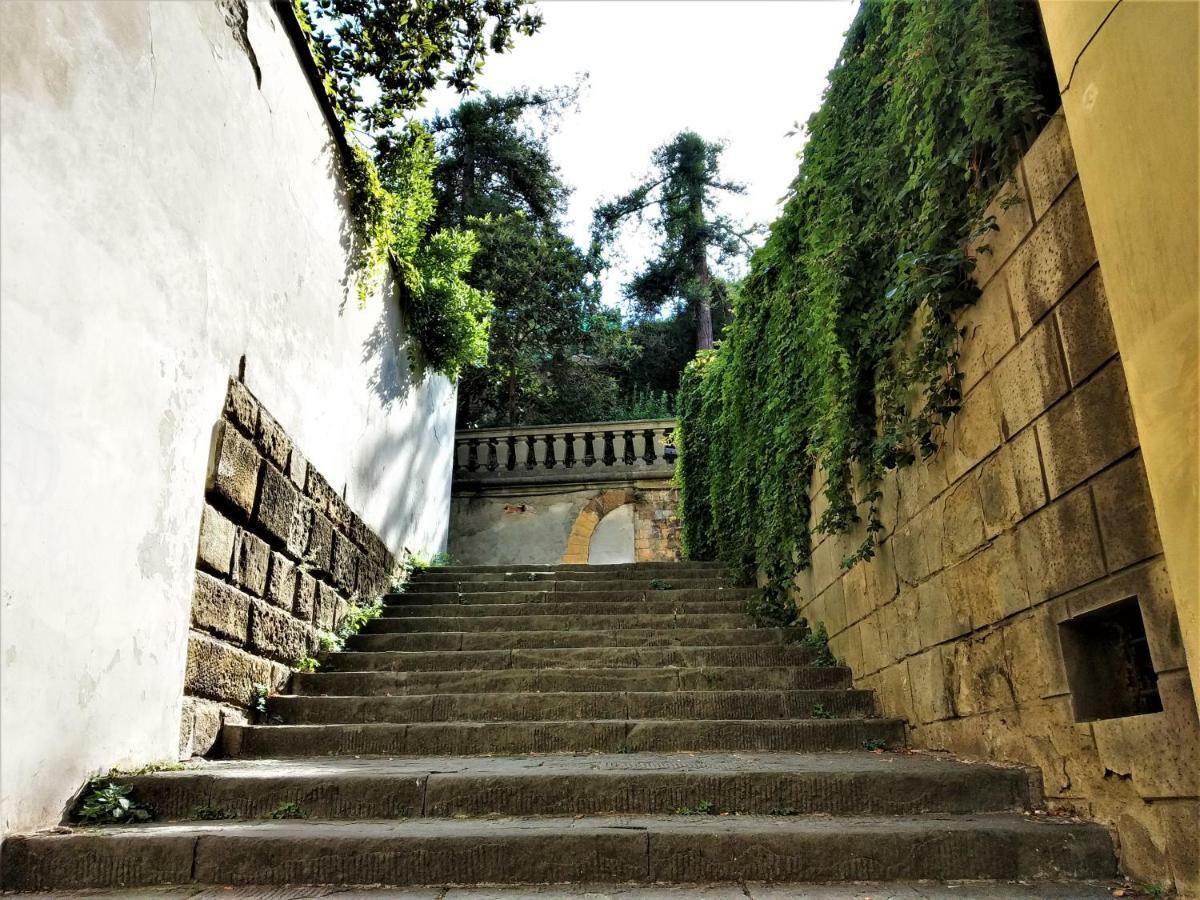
x=612 y=541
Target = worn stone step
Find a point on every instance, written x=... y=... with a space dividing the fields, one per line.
x=569 y=607
x=563 y=586
x=718 y=622
x=512 y=680
x=731 y=595
x=642 y=849
x=573 y=706
x=639 y=783
x=564 y=658
x=589 y=736
x=617 y=570
x=631 y=637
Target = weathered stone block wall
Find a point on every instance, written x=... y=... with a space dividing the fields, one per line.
x=1034 y=512
x=280 y=559
x=656 y=525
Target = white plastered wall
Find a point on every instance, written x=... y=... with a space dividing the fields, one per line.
x=161 y=215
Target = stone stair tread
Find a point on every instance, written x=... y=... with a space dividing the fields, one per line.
x=562 y=657
x=719 y=622
x=538 y=850
x=565 y=639
x=561 y=586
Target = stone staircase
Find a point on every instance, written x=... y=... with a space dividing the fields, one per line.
x=572 y=724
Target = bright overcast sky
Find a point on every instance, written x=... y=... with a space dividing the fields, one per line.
x=739 y=71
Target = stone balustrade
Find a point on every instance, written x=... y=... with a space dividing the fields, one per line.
x=575 y=452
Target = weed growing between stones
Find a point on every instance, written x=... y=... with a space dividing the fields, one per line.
x=258 y=701
x=875 y=745
x=771 y=606
x=212 y=813
x=658 y=584
x=817 y=642
x=288 y=810
x=702 y=808
x=109 y=803
x=820 y=712
x=306 y=664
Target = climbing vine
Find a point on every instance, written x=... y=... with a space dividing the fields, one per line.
x=842 y=353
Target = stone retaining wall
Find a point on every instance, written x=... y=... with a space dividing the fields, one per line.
x=1008 y=555
x=281 y=557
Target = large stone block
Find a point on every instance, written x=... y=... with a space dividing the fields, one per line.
x=340 y=514
x=973 y=432
x=219 y=608
x=1030 y=378
x=1011 y=214
x=990 y=584
x=326 y=608
x=217 y=538
x=999 y=497
x=276 y=446
x=199 y=727
x=297 y=469
x=988 y=333
x=345 y=563
x=900 y=623
x=274 y=515
x=302 y=516
x=1088 y=430
x=1181 y=824
x=978 y=670
x=1059 y=547
x=281 y=582
x=1049 y=165
x=895 y=692
x=962 y=521
x=1063 y=749
x=1086 y=327
x=1056 y=254
x=241 y=408
x=219 y=671
x=939 y=618
x=306 y=597
x=233 y=472
x=875 y=654
x=931 y=700
x=319 y=490
x=1037 y=662
x=319 y=551
x=1160 y=752
x=277 y=634
x=250 y=560
x=1027 y=471
x=1128 y=526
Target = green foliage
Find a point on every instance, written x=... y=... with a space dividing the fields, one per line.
x=924 y=117
x=820 y=712
x=212 y=813
x=306 y=664
x=405 y=49
x=287 y=811
x=771 y=606
x=258 y=699
x=875 y=745
x=702 y=808
x=360 y=613
x=109 y=803
x=817 y=642
x=659 y=584
x=682 y=192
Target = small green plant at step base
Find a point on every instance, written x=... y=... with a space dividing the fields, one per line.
x=306 y=664
x=817 y=642
x=783 y=811
x=329 y=643
x=875 y=745
x=658 y=584
x=109 y=803
x=702 y=808
x=258 y=700
x=820 y=712
x=1154 y=890
x=771 y=606
x=288 y=811
x=212 y=813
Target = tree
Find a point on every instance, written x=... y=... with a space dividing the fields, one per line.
x=683 y=191
x=405 y=48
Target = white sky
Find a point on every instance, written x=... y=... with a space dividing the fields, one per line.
x=740 y=71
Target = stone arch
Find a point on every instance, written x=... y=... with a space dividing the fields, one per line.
x=589 y=517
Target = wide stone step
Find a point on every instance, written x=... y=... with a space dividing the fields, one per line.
x=572 y=706
x=617 y=570
x=642 y=849
x=631 y=637
x=568 y=586
x=565 y=658
x=591 y=736
x=630 y=784
x=514 y=680
x=716 y=622
x=731 y=595
x=568 y=608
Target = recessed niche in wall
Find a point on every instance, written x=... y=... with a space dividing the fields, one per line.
x=1108 y=663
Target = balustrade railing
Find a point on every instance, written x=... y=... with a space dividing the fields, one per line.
x=638 y=449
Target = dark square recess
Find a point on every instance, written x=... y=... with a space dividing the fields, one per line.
x=1108 y=663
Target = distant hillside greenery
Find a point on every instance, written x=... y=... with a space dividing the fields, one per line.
x=928 y=108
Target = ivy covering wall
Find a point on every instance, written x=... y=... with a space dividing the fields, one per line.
x=928 y=107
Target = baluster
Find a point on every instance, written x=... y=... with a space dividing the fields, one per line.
x=648 y=454
x=589 y=450
x=493 y=463
x=628 y=456
x=472 y=454
x=610 y=455
x=530 y=452
x=460 y=455
x=510 y=457
x=550 y=461
x=569 y=455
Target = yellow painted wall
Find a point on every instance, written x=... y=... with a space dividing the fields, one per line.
x=1127 y=71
